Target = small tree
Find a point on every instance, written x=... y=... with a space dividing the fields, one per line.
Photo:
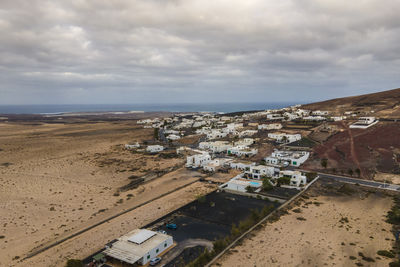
x=266 y=186
x=156 y=133
x=324 y=163
x=311 y=176
x=284 y=180
x=358 y=171
x=350 y=171
x=249 y=189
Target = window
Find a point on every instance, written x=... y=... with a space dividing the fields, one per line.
x=165 y=245
x=148 y=256
x=157 y=250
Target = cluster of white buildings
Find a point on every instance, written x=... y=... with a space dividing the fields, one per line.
x=253 y=178
x=239 y=148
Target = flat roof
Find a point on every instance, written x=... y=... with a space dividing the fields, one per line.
x=129 y=251
x=141 y=236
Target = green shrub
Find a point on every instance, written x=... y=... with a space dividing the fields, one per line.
x=201 y=198
x=385 y=253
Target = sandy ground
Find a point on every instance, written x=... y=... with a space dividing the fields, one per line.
x=87 y=243
x=324 y=237
x=388 y=178
x=56 y=179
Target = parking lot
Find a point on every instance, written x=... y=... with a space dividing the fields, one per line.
x=203 y=221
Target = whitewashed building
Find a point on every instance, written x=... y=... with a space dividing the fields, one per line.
x=241 y=165
x=240 y=151
x=139 y=246
x=292 y=158
x=173 y=137
x=216 y=146
x=296 y=177
x=284 y=138
x=197 y=160
x=271 y=126
x=241 y=184
x=364 y=123
x=259 y=171
x=154 y=148
x=132 y=146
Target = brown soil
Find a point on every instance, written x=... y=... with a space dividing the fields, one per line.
x=325 y=229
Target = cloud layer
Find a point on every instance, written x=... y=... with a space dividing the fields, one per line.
x=129 y=51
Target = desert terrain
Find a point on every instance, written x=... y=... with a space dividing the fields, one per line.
x=382 y=104
x=58 y=178
x=374 y=151
x=331 y=225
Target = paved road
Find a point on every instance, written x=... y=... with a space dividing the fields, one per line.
x=173 y=253
x=350 y=180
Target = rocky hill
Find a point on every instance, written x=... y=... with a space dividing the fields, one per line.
x=384 y=104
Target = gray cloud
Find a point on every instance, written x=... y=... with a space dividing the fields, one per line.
x=129 y=51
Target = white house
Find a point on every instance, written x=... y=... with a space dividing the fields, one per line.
x=296 y=178
x=364 y=123
x=241 y=165
x=320 y=112
x=258 y=171
x=292 y=158
x=242 y=151
x=248 y=133
x=154 y=148
x=244 y=142
x=240 y=184
x=275 y=117
x=338 y=118
x=272 y=126
x=216 y=146
x=132 y=146
x=216 y=133
x=173 y=137
x=215 y=164
x=314 y=118
x=139 y=246
x=198 y=160
x=284 y=138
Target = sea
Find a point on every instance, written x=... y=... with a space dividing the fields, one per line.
x=181 y=107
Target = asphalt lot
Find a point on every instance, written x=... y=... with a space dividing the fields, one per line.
x=360 y=182
x=205 y=220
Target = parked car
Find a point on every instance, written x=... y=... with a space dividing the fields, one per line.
x=155 y=261
x=172 y=226
x=162 y=232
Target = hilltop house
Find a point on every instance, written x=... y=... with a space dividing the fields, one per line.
x=364 y=123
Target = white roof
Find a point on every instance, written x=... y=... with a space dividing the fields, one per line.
x=136 y=244
x=141 y=236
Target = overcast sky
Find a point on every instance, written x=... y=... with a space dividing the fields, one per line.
x=161 y=51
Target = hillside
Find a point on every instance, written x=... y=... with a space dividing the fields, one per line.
x=384 y=104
